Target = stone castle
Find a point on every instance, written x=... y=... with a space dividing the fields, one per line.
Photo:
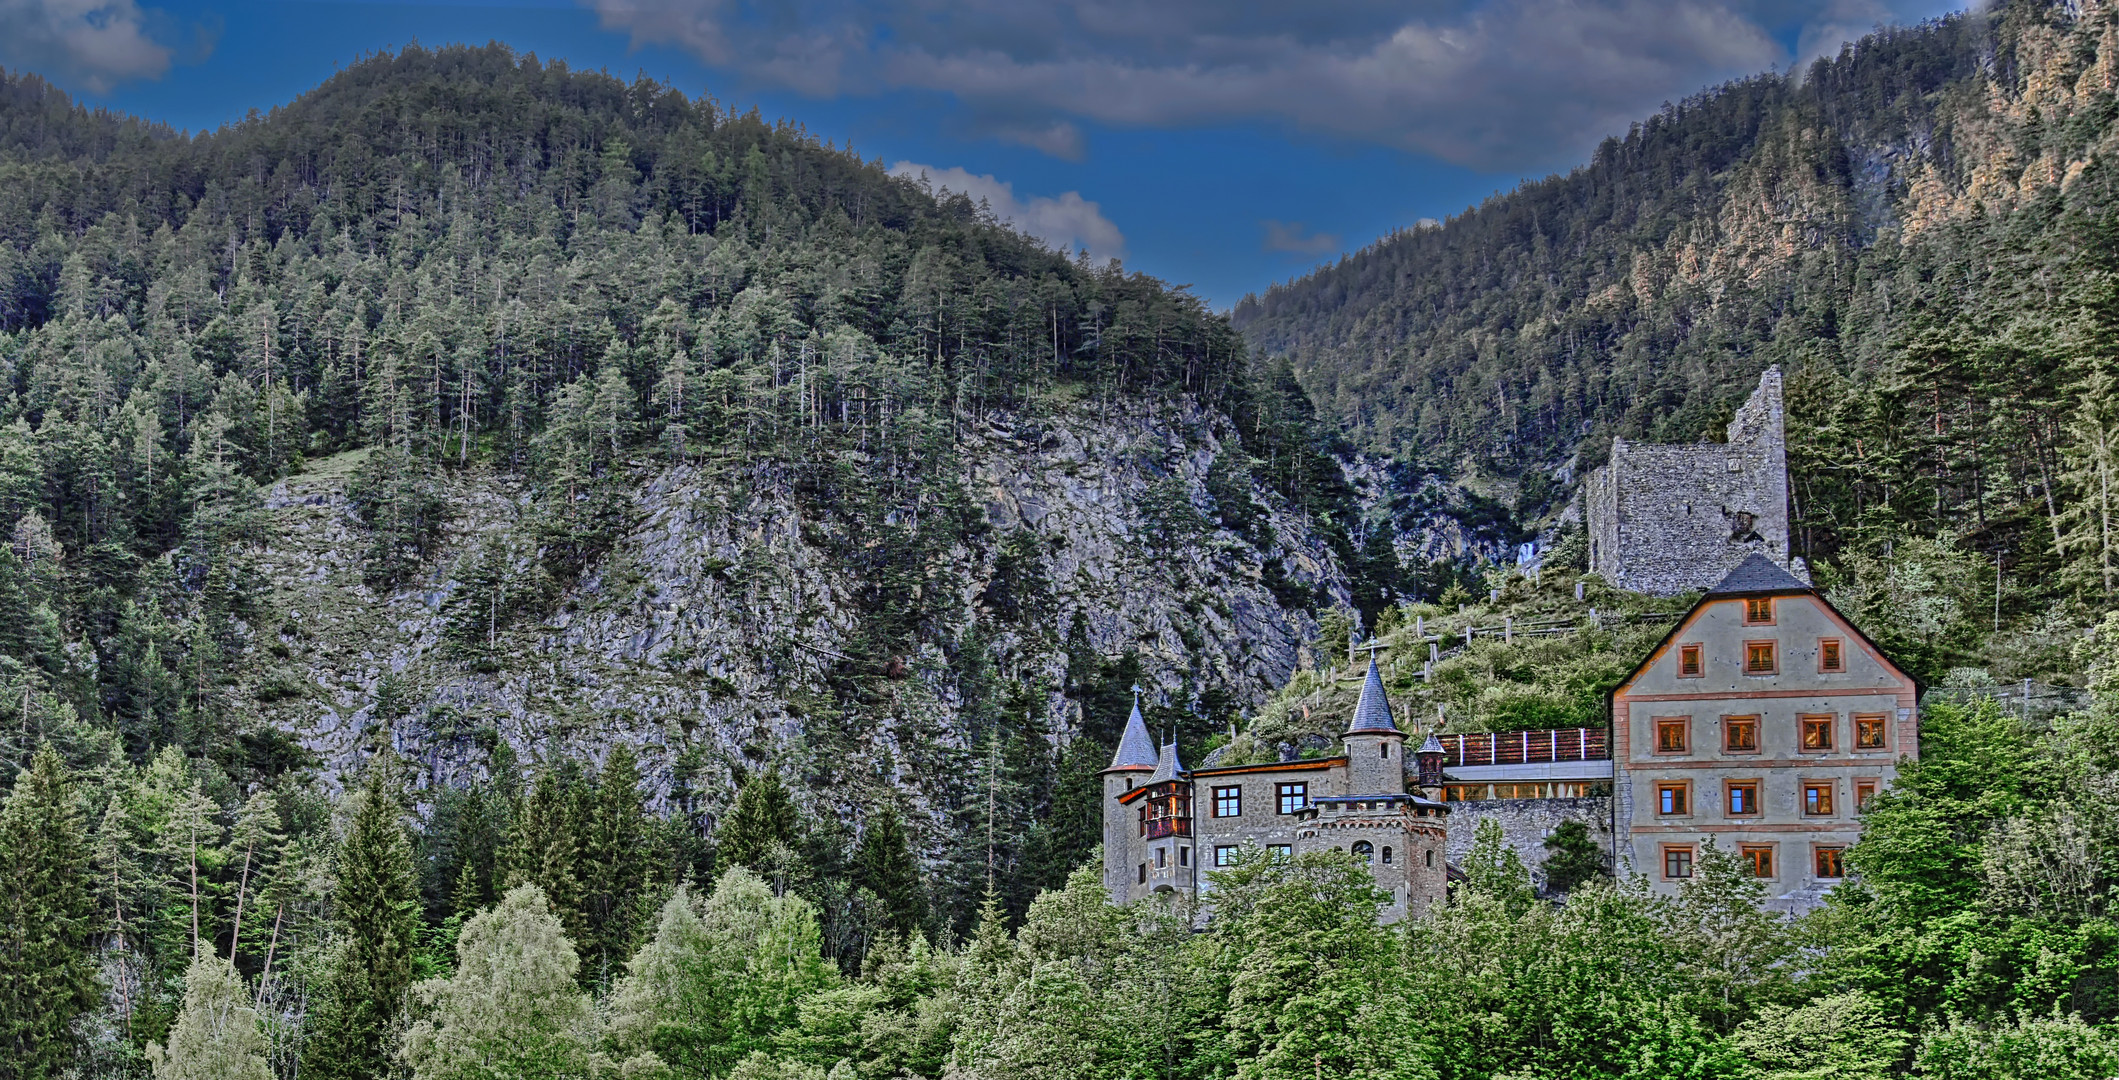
x=1670 y=518
x=1763 y=723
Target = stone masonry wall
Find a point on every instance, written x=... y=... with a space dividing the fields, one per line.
x=1670 y=518
x=1526 y=823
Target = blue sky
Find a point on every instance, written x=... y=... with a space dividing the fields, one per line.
x=1224 y=143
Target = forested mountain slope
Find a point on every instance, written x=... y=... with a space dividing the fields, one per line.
x=1920 y=229
x=499 y=416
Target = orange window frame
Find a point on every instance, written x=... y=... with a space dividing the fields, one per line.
x=1692 y=662
x=1740 y=735
x=1750 y=800
x=1760 y=858
x=1762 y=658
x=1677 y=857
x=1758 y=611
x=1675 y=794
x=1815 y=732
x=1831 y=655
x=1872 y=731
x=1818 y=797
x=1830 y=862
x=1673 y=734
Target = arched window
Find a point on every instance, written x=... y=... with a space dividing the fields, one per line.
x=1364 y=850
x=1386 y=856
x=1431 y=858
x=1385 y=747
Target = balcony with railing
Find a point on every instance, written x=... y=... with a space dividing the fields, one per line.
x=1525 y=747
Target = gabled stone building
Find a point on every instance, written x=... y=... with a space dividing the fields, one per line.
x=1764 y=721
x=1166 y=827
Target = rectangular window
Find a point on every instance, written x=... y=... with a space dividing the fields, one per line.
x=1691 y=662
x=1869 y=733
x=1228 y=802
x=1758 y=611
x=1670 y=798
x=1760 y=658
x=1828 y=863
x=1759 y=857
x=1740 y=735
x=1184 y=856
x=1830 y=657
x=1281 y=851
x=1144 y=873
x=1817 y=732
x=1817 y=797
x=1144 y=819
x=1864 y=790
x=1743 y=798
x=1673 y=736
x=1293 y=797
x=1225 y=855
x=1162 y=857
x=1677 y=862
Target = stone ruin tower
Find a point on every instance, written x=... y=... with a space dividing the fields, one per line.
x=1672 y=518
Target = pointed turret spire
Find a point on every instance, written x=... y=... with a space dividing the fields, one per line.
x=1136 y=748
x=1167 y=767
x=1373 y=711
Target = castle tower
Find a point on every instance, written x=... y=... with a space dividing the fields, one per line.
x=1166 y=826
x=1374 y=746
x=1672 y=518
x=1134 y=761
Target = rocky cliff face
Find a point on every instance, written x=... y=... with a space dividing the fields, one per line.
x=710 y=635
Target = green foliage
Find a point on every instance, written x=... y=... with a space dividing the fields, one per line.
x=511 y=1008
x=216 y=1034
x=2049 y=1048
x=884 y=865
x=1841 y=1035
x=48 y=920
x=721 y=978
x=377 y=899
x=1575 y=857
x=764 y=828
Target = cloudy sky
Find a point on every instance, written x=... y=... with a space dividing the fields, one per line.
x=1225 y=143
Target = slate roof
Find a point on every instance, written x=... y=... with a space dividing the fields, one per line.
x=1167 y=767
x=1136 y=748
x=1373 y=711
x=1757 y=574
x=1433 y=745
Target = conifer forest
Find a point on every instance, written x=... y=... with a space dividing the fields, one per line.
x=510 y=572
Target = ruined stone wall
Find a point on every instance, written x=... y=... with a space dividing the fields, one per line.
x=1670 y=518
x=1526 y=823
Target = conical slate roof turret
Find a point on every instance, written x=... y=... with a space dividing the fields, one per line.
x=1167 y=767
x=1136 y=748
x=1373 y=711
x=1433 y=745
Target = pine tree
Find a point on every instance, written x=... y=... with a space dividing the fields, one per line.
x=765 y=819
x=1576 y=857
x=618 y=861
x=378 y=905
x=884 y=865
x=216 y=1034
x=48 y=917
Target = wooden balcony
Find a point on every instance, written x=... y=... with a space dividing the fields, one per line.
x=1526 y=747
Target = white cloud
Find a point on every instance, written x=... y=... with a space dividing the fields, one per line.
x=1495 y=84
x=1065 y=222
x=92 y=44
